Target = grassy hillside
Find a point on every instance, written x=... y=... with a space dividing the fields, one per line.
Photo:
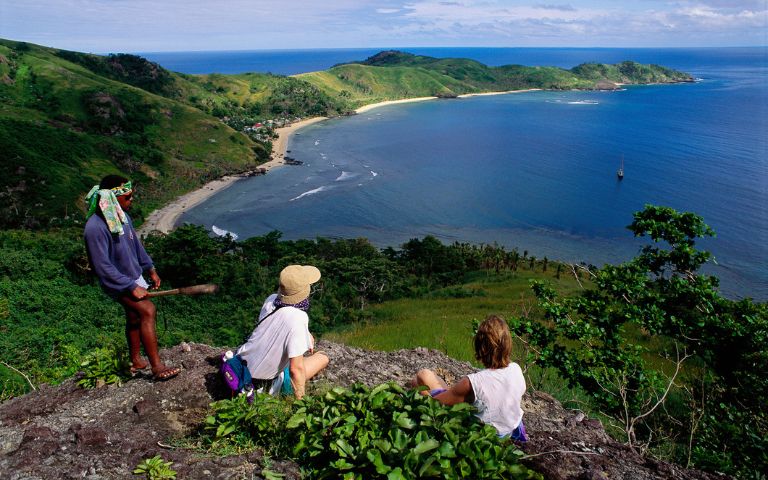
x=443 y=319
x=68 y=118
x=63 y=126
x=393 y=75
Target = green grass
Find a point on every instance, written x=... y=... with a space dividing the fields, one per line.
x=445 y=323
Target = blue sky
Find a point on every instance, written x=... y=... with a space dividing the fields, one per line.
x=102 y=26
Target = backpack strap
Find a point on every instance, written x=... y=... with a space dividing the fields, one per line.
x=260 y=321
x=268 y=315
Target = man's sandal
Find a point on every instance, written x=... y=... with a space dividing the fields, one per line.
x=138 y=369
x=166 y=374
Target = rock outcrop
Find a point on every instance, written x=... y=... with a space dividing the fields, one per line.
x=68 y=432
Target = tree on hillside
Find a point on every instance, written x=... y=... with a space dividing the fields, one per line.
x=661 y=351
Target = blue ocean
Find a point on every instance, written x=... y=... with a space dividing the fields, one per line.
x=535 y=171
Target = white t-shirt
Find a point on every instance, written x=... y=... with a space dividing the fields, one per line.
x=282 y=336
x=498 y=394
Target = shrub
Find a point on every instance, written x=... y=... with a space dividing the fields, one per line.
x=661 y=294
x=361 y=433
x=104 y=366
x=236 y=422
x=155 y=468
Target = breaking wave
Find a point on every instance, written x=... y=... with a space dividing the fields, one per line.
x=310 y=192
x=345 y=176
x=223 y=233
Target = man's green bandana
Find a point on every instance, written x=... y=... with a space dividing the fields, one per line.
x=106 y=200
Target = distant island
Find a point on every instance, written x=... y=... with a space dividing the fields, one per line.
x=67 y=118
x=392 y=74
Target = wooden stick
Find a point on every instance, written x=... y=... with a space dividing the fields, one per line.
x=192 y=290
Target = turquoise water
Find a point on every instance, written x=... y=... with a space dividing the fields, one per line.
x=536 y=170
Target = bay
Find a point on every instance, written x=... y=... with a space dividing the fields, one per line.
x=536 y=170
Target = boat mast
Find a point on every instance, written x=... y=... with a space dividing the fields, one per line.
x=620 y=172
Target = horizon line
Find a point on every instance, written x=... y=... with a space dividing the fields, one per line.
x=403 y=47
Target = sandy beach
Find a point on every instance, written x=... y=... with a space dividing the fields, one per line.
x=365 y=108
x=467 y=95
x=164 y=219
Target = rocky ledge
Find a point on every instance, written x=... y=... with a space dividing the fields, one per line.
x=68 y=432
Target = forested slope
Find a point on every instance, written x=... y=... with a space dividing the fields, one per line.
x=68 y=118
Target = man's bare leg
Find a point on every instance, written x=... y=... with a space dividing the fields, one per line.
x=133 y=335
x=146 y=312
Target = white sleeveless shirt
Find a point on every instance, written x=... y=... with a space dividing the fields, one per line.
x=498 y=394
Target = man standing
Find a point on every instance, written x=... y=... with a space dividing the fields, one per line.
x=119 y=260
x=274 y=353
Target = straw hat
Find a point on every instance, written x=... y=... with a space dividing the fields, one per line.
x=295 y=281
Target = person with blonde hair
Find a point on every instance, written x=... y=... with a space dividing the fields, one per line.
x=496 y=391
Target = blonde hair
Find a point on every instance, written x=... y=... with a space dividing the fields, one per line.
x=493 y=343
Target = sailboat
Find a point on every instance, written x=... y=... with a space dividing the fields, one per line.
x=620 y=171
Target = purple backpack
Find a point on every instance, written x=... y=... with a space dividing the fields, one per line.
x=235 y=373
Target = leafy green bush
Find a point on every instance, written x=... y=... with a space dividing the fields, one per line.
x=362 y=433
x=104 y=366
x=246 y=425
x=155 y=468
x=366 y=433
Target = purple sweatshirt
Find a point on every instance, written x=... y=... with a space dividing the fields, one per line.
x=118 y=260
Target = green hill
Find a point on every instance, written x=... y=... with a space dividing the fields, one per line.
x=68 y=118
x=393 y=75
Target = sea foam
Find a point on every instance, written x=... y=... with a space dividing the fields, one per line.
x=310 y=192
x=345 y=176
x=223 y=233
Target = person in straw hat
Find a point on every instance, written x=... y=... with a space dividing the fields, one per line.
x=275 y=351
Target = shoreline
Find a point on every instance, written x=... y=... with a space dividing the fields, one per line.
x=371 y=106
x=164 y=219
x=467 y=95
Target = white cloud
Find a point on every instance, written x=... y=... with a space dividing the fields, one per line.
x=151 y=25
x=565 y=8
x=608 y=24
